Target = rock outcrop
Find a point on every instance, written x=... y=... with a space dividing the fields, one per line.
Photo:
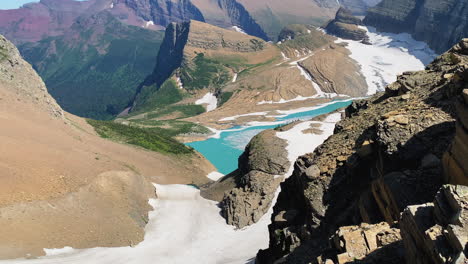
x=436 y=233
x=345 y=25
x=163 y=12
x=384 y=156
x=20 y=77
x=456 y=158
x=432 y=21
x=261 y=169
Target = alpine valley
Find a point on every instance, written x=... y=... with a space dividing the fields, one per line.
x=234 y=131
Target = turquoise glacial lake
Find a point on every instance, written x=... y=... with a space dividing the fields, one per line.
x=223 y=152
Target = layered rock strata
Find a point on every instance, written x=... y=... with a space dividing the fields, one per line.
x=346 y=26
x=384 y=156
x=439 y=23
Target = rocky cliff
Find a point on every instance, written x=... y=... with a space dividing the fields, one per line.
x=246 y=194
x=431 y=21
x=345 y=25
x=200 y=57
x=162 y=12
x=384 y=156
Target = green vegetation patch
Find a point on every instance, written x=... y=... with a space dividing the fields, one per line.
x=172 y=128
x=150 y=139
x=95 y=80
x=182 y=111
x=204 y=73
x=225 y=96
x=155 y=98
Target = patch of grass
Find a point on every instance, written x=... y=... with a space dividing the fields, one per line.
x=225 y=96
x=204 y=73
x=172 y=128
x=183 y=110
x=146 y=138
x=168 y=94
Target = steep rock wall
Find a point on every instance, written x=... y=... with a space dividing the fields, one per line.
x=439 y=23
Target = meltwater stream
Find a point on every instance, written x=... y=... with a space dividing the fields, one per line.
x=223 y=151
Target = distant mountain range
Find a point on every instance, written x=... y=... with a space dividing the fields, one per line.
x=94 y=54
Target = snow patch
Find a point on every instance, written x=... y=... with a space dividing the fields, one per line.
x=58 y=251
x=215 y=175
x=389 y=55
x=183 y=228
x=111 y=5
x=300 y=143
x=234 y=78
x=238 y=29
x=210 y=100
x=179 y=83
x=148 y=24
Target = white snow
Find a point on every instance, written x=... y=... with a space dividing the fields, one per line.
x=210 y=100
x=300 y=143
x=234 y=78
x=58 y=251
x=215 y=175
x=238 y=29
x=179 y=83
x=388 y=56
x=183 y=228
x=149 y=23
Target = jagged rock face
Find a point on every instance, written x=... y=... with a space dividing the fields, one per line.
x=164 y=12
x=171 y=51
x=456 y=158
x=359 y=7
x=432 y=21
x=261 y=167
x=436 y=233
x=345 y=25
x=384 y=156
x=241 y=17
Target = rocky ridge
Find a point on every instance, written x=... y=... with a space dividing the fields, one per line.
x=17 y=74
x=431 y=21
x=345 y=26
x=384 y=156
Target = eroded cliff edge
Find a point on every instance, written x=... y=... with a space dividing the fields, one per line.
x=431 y=21
x=384 y=156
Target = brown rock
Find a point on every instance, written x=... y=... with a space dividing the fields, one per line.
x=401 y=119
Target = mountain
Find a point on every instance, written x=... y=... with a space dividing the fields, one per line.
x=93 y=70
x=391 y=151
x=439 y=23
x=97 y=74
x=346 y=26
x=64 y=185
x=199 y=62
